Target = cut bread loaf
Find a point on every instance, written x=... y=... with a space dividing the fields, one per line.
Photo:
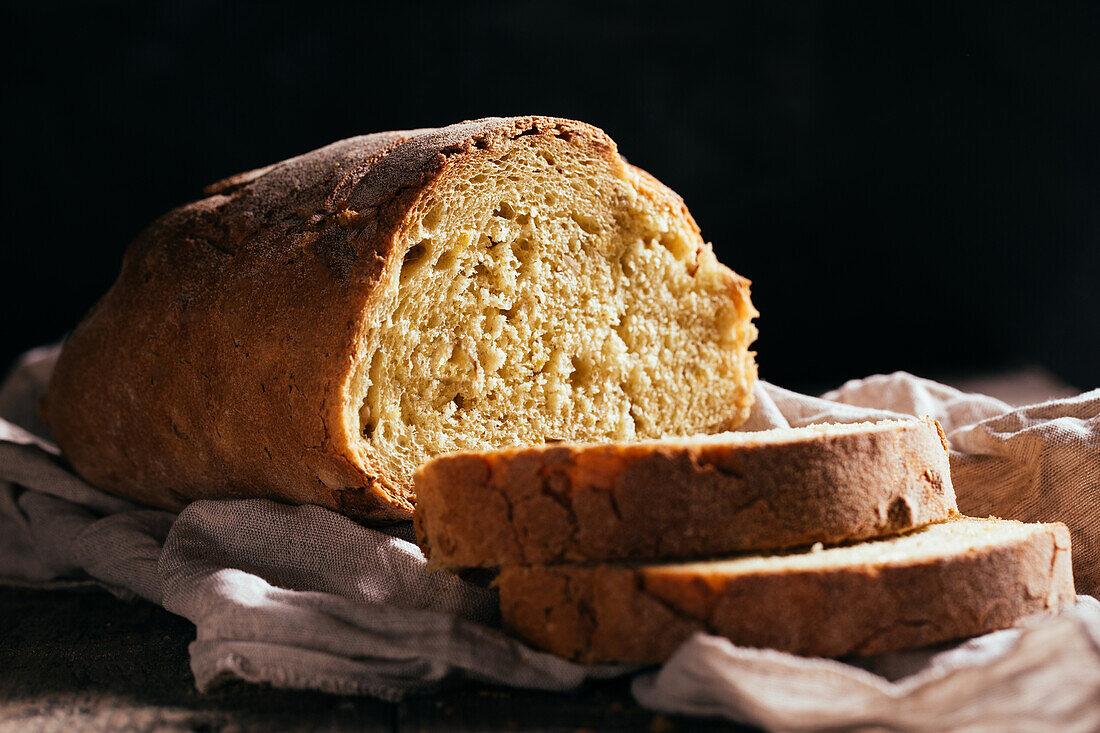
x=942 y=582
x=313 y=330
x=682 y=498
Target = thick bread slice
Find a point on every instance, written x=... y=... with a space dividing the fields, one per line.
x=945 y=581
x=682 y=498
x=313 y=330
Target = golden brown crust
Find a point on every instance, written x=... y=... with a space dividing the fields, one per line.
x=641 y=614
x=218 y=364
x=678 y=499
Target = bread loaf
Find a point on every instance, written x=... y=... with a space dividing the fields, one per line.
x=946 y=581
x=315 y=329
x=679 y=498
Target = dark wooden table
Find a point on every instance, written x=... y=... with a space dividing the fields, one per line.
x=84 y=660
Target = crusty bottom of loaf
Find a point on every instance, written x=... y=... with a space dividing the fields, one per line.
x=942 y=582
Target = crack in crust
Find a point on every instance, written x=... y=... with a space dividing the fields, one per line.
x=872 y=642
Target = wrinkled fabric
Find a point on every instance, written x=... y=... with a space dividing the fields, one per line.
x=302 y=597
x=1042 y=678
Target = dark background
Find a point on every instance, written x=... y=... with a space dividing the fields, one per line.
x=909 y=186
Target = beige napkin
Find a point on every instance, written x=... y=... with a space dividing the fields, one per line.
x=302 y=597
x=1042 y=678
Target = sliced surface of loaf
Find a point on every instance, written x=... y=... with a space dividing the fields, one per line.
x=945 y=581
x=680 y=498
x=313 y=330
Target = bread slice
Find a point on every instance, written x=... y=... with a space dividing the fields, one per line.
x=945 y=581
x=682 y=498
x=313 y=330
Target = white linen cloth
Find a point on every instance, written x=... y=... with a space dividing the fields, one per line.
x=303 y=597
